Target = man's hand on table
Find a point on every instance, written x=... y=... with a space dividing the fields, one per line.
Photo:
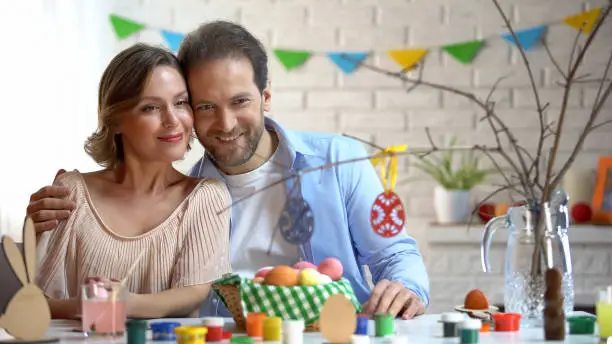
x=48 y=207
x=395 y=299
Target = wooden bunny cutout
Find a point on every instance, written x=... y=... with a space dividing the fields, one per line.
x=27 y=316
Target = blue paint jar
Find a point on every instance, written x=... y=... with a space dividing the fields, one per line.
x=362 y=325
x=163 y=330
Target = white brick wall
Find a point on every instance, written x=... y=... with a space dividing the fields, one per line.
x=320 y=97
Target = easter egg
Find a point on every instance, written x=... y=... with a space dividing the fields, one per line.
x=331 y=267
x=324 y=279
x=263 y=271
x=486 y=212
x=282 y=276
x=476 y=299
x=296 y=222
x=309 y=277
x=257 y=280
x=304 y=265
x=581 y=212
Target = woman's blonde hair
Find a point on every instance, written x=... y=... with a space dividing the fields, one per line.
x=121 y=86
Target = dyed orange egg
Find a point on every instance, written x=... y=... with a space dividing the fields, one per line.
x=476 y=299
x=282 y=276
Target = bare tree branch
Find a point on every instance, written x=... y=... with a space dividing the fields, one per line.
x=599 y=125
x=550 y=184
x=534 y=87
x=553 y=60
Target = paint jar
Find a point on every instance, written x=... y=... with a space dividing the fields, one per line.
x=384 y=324
x=214 y=326
x=272 y=329
x=507 y=322
x=163 y=330
x=581 y=324
x=450 y=322
x=362 y=325
x=190 y=335
x=254 y=324
x=293 y=331
x=469 y=331
x=241 y=340
x=136 y=331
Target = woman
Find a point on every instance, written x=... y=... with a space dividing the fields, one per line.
x=139 y=210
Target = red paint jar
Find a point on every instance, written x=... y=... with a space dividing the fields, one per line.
x=506 y=322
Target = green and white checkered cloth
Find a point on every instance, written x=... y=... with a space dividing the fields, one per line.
x=295 y=303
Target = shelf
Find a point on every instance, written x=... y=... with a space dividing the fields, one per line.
x=459 y=234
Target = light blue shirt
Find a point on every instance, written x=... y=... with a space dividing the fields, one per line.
x=341 y=199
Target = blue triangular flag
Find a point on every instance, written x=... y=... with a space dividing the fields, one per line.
x=173 y=39
x=348 y=62
x=528 y=37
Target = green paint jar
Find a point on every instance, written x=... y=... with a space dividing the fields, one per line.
x=384 y=324
x=241 y=340
x=581 y=324
x=136 y=331
x=469 y=330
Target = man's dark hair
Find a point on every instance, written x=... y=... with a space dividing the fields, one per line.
x=223 y=39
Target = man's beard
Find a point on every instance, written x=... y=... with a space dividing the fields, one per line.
x=228 y=160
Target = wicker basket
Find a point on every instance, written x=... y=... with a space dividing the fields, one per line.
x=230 y=294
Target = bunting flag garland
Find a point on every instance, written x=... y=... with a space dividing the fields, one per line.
x=292 y=58
x=125 y=27
x=347 y=62
x=407 y=58
x=588 y=19
x=173 y=39
x=528 y=37
x=463 y=52
x=388 y=215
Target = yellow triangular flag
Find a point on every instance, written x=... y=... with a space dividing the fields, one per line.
x=587 y=19
x=407 y=58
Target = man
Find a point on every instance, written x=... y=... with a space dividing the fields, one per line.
x=226 y=69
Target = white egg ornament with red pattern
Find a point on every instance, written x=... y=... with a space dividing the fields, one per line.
x=331 y=267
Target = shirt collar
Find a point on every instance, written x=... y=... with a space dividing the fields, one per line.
x=293 y=140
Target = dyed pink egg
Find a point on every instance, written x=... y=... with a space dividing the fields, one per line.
x=332 y=268
x=263 y=271
x=304 y=265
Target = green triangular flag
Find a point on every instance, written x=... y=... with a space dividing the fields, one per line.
x=125 y=27
x=464 y=52
x=292 y=58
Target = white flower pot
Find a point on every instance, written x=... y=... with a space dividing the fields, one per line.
x=451 y=206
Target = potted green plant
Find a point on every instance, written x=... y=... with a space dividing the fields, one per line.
x=455 y=182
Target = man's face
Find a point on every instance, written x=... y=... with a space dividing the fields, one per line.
x=228 y=109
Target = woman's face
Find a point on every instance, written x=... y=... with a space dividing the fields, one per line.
x=158 y=129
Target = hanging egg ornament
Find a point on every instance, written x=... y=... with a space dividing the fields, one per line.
x=296 y=222
x=388 y=215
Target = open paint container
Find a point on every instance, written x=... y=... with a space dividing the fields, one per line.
x=506 y=322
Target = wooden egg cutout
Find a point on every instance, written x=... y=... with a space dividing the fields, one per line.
x=338 y=319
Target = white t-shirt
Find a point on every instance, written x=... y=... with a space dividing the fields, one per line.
x=255 y=220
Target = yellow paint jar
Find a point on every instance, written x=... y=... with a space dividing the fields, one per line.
x=272 y=329
x=191 y=334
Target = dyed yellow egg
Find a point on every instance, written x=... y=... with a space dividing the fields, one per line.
x=309 y=276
